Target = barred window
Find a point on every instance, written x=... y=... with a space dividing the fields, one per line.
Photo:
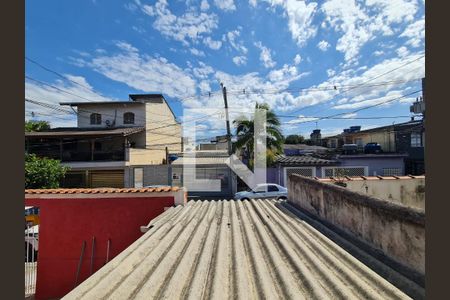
x=300 y=171
x=128 y=118
x=349 y=171
x=96 y=119
x=416 y=139
x=392 y=172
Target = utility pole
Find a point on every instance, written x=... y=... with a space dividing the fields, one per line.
x=224 y=91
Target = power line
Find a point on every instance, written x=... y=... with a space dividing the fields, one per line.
x=363 y=108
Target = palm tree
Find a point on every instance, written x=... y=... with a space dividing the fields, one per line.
x=245 y=132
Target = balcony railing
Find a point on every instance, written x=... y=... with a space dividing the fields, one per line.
x=78 y=156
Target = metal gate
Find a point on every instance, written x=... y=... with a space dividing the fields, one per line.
x=31 y=255
x=107 y=178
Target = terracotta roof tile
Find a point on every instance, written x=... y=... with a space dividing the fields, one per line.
x=101 y=190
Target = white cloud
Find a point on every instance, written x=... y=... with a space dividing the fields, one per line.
x=226 y=5
x=215 y=45
x=240 y=60
x=323 y=45
x=355 y=105
x=300 y=16
x=415 y=32
x=197 y=52
x=189 y=26
x=203 y=71
x=252 y=3
x=204 y=5
x=361 y=24
x=402 y=51
x=302 y=119
x=145 y=73
x=265 y=57
x=331 y=72
x=297 y=59
x=232 y=39
x=378 y=53
x=53 y=96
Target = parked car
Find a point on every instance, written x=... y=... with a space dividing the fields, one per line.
x=31 y=243
x=263 y=191
x=372 y=148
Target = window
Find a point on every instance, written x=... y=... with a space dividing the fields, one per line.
x=392 y=172
x=273 y=188
x=344 y=171
x=261 y=189
x=416 y=139
x=128 y=118
x=96 y=119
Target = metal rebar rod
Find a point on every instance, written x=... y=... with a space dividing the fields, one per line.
x=91 y=268
x=79 y=263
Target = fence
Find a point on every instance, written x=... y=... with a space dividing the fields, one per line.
x=31 y=254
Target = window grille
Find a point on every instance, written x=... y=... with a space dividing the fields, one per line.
x=96 y=119
x=351 y=172
x=128 y=118
x=300 y=171
x=416 y=139
x=392 y=172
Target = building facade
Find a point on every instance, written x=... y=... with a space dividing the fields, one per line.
x=114 y=144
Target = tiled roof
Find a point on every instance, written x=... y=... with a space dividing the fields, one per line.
x=360 y=178
x=303 y=160
x=76 y=131
x=224 y=249
x=102 y=190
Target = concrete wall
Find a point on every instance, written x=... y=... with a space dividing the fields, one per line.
x=409 y=192
x=136 y=156
x=68 y=221
x=386 y=138
x=396 y=230
x=162 y=128
x=375 y=164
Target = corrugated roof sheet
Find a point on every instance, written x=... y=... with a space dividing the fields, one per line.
x=234 y=249
x=303 y=160
x=76 y=131
x=102 y=190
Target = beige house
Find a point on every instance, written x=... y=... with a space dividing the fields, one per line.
x=115 y=144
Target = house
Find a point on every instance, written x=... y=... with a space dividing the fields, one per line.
x=402 y=138
x=115 y=143
x=305 y=165
x=208 y=164
x=220 y=143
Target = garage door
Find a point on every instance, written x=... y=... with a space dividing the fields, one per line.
x=107 y=178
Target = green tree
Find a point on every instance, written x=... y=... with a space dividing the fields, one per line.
x=43 y=173
x=294 y=139
x=245 y=131
x=31 y=126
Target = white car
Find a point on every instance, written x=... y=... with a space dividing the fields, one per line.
x=263 y=191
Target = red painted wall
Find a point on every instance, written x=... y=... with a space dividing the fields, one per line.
x=66 y=223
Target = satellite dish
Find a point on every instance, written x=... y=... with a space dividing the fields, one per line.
x=108 y=123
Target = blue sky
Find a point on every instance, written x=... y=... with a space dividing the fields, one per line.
x=305 y=59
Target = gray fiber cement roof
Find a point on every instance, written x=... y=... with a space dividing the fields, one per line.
x=234 y=249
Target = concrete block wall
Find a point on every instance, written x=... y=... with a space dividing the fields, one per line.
x=395 y=230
